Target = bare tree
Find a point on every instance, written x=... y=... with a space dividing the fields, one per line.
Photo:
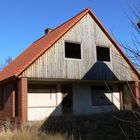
x=133 y=52
x=7 y=61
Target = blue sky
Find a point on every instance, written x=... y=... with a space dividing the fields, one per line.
x=24 y=21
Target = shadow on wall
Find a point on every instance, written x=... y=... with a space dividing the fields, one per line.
x=76 y=127
x=81 y=127
x=100 y=71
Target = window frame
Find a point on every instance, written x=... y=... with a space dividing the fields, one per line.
x=81 y=51
x=106 y=47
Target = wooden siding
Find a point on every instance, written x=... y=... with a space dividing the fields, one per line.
x=53 y=64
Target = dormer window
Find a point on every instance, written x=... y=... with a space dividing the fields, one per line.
x=72 y=50
x=103 y=54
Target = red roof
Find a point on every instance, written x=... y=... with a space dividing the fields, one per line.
x=34 y=51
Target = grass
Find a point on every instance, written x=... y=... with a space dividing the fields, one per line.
x=29 y=135
x=28 y=132
x=109 y=126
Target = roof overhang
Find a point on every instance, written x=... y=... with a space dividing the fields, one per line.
x=12 y=78
x=55 y=81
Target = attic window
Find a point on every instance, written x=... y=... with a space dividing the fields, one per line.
x=103 y=54
x=72 y=50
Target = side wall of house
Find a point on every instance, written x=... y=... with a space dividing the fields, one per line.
x=53 y=64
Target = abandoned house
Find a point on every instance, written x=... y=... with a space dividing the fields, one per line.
x=76 y=68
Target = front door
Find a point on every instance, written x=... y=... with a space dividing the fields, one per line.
x=67 y=101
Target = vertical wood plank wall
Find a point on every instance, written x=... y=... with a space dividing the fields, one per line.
x=53 y=64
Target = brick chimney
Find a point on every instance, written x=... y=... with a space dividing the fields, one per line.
x=48 y=30
x=138 y=24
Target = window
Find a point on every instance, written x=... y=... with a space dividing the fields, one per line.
x=103 y=54
x=101 y=96
x=72 y=50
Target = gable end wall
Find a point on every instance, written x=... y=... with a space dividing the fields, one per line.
x=53 y=64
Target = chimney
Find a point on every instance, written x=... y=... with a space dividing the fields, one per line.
x=48 y=30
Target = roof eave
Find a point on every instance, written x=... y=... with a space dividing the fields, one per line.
x=9 y=79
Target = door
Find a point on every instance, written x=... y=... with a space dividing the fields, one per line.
x=67 y=99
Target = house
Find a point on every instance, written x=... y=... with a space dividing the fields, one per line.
x=77 y=68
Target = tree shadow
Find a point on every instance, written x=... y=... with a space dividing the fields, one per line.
x=86 y=127
x=98 y=127
x=100 y=71
x=82 y=127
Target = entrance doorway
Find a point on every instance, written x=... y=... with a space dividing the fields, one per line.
x=67 y=99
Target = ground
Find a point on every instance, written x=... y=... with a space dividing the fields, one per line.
x=108 y=126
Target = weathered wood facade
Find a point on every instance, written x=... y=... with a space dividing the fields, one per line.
x=53 y=64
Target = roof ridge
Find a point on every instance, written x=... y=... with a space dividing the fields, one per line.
x=87 y=9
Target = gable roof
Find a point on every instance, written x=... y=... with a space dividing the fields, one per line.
x=33 y=52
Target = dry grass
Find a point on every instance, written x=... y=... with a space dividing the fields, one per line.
x=110 y=126
x=29 y=135
x=30 y=132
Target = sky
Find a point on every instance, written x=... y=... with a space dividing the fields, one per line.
x=24 y=21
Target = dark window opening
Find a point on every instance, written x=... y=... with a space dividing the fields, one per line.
x=16 y=99
x=101 y=96
x=67 y=102
x=103 y=54
x=2 y=99
x=72 y=50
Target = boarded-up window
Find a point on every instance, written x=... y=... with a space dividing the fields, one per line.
x=101 y=96
x=72 y=50
x=103 y=54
